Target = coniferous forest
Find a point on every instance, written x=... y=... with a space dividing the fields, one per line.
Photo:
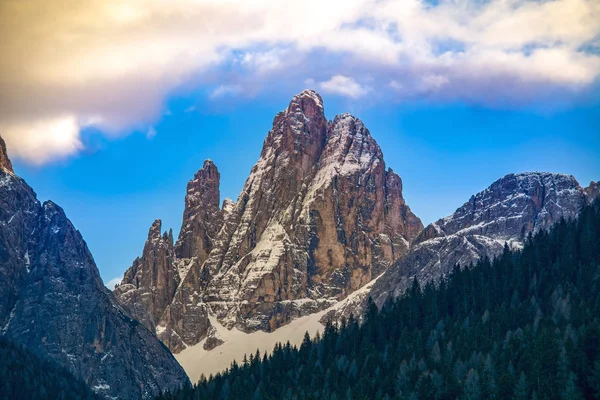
x=24 y=375
x=525 y=325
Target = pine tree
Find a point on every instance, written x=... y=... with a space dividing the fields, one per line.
x=521 y=391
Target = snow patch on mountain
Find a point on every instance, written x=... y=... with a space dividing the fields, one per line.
x=196 y=361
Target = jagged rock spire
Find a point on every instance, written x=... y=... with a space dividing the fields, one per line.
x=318 y=218
x=5 y=163
x=202 y=217
x=149 y=285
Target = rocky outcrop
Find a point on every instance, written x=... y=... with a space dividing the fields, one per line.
x=161 y=261
x=318 y=218
x=149 y=285
x=506 y=212
x=202 y=217
x=592 y=192
x=5 y=164
x=53 y=301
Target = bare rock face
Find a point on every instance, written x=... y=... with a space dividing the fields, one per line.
x=202 y=217
x=212 y=339
x=5 y=163
x=592 y=192
x=53 y=301
x=149 y=285
x=504 y=213
x=318 y=218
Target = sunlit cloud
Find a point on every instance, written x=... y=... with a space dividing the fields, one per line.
x=114 y=64
x=344 y=86
x=42 y=140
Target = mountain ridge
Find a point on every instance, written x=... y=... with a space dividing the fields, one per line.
x=321 y=225
x=504 y=213
x=53 y=301
x=318 y=218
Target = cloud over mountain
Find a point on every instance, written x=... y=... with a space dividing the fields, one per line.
x=112 y=64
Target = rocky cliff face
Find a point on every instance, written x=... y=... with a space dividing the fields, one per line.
x=592 y=192
x=5 y=163
x=53 y=301
x=149 y=285
x=506 y=212
x=202 y=217
x=318 y=218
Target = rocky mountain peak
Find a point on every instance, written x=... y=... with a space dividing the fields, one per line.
x=52 y=300
x=5 y=163
x=148 y=286
x=205 y=184
x=297 y=137
x=592 y=192
x=351 y=146
x=504 y=213
x=155 y=231
x=318 y=218
x=308 y=103
x=201 y=217
x=514 y=205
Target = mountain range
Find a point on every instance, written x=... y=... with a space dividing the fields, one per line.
x=53 y=301
x=320 y=226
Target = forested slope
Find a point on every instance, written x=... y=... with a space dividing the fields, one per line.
x=525 y=325
x=24 y=375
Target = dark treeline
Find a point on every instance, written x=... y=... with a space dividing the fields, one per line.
x=24 y=375
x=523 y=326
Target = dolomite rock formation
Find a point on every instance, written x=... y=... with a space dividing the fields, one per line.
x=202 y=217
x=5 y=164
x=53 y=301
x=592 y=192
x=319 y=217
x=150 y=284
x=504 y=213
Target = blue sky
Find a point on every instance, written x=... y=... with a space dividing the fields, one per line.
x=115 y=104
x=444 y=154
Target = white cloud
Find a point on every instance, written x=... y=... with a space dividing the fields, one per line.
x=433 y=82
x=224 y=90
x=112 y=63
x=151 y=132
x=42 y=140
x=113 y=282
x=344 y=86
x=394 y=84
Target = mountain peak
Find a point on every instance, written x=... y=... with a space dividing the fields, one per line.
x=202 y=216
x=155 y=229
x=307 y=95
x=77 y=323
x=318 y=218
x=592 y=192
x=305 y=113
x=208 y=163
x=516 y=203
x=5 y=163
